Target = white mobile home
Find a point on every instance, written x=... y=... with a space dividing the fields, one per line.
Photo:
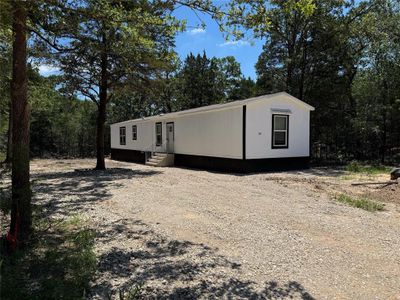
x=262 y=133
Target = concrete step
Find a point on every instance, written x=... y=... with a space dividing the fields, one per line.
x=161 y=160
x=155 y=159
x=160 y=154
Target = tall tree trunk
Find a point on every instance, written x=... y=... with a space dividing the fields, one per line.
x=21 y=214
x=384 y=135
x=9 y=136
x=101 y=119
x=384 y=120
x=101 y=116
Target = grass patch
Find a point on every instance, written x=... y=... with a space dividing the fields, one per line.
x=356 y=167
x=362 y=203
x=347 y=177
x=58 y=264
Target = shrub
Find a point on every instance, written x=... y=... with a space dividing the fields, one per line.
x=353 y=166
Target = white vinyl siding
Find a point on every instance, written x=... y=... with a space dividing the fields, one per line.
x=218 y=132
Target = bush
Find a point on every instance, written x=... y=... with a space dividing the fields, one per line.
x=353 y=166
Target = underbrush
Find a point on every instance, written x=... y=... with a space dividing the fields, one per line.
x=362 y=203
x=58 y=264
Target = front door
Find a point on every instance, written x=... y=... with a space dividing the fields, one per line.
x=170 y=137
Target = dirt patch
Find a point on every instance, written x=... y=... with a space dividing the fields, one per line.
x=389 y=193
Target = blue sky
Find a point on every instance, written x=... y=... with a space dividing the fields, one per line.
x=212 y=41
x=196 y=40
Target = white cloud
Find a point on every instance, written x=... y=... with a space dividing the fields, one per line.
x=47 y=70
x=196 y=31
x=238 y=43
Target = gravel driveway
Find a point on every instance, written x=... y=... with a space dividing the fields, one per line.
x=186 y=234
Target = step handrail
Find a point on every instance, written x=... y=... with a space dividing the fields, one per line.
x=152 y=149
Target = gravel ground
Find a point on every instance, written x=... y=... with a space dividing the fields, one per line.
x=186 y=234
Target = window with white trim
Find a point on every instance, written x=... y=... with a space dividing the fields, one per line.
x=280 y=131
x=122 y=135
x=134 y=132
x=158 y=134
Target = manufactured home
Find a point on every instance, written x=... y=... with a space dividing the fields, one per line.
x=270 y=132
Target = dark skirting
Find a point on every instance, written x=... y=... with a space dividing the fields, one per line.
x=241 y=166
x=219 y=163
x=128 y=155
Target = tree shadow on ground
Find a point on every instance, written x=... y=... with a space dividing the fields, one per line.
x=59 y=261
x=65 y=193
x=171 y=269
x=130 y=252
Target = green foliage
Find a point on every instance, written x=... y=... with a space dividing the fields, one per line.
x=60 y=126
x=198 y=81
x=205 y=81
x=342 y=59
x=59 y=264
x=258 y=15
x=353 y=166
x=115 y=45
x=362 y=203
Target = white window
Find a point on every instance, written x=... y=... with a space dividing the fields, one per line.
x=134 y=132
x=122 y=135
x=158 y=134
x=280 y=131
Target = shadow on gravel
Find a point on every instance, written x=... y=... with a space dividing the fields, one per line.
x=133 y=255
x=70 y=192
x=171 y=269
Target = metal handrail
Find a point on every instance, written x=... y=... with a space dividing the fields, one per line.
x=152 y=149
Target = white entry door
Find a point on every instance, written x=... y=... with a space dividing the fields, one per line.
x=170 y=137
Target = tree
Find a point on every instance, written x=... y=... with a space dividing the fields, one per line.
x=316 y=58
x=21 y=220
x=114 y=44
x=205 y=81
x=377 y=85
x=198 y=82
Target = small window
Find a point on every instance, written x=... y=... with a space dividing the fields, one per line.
x=122 y=135
x=280 y=131
x=134 y=132
x=158 y=134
